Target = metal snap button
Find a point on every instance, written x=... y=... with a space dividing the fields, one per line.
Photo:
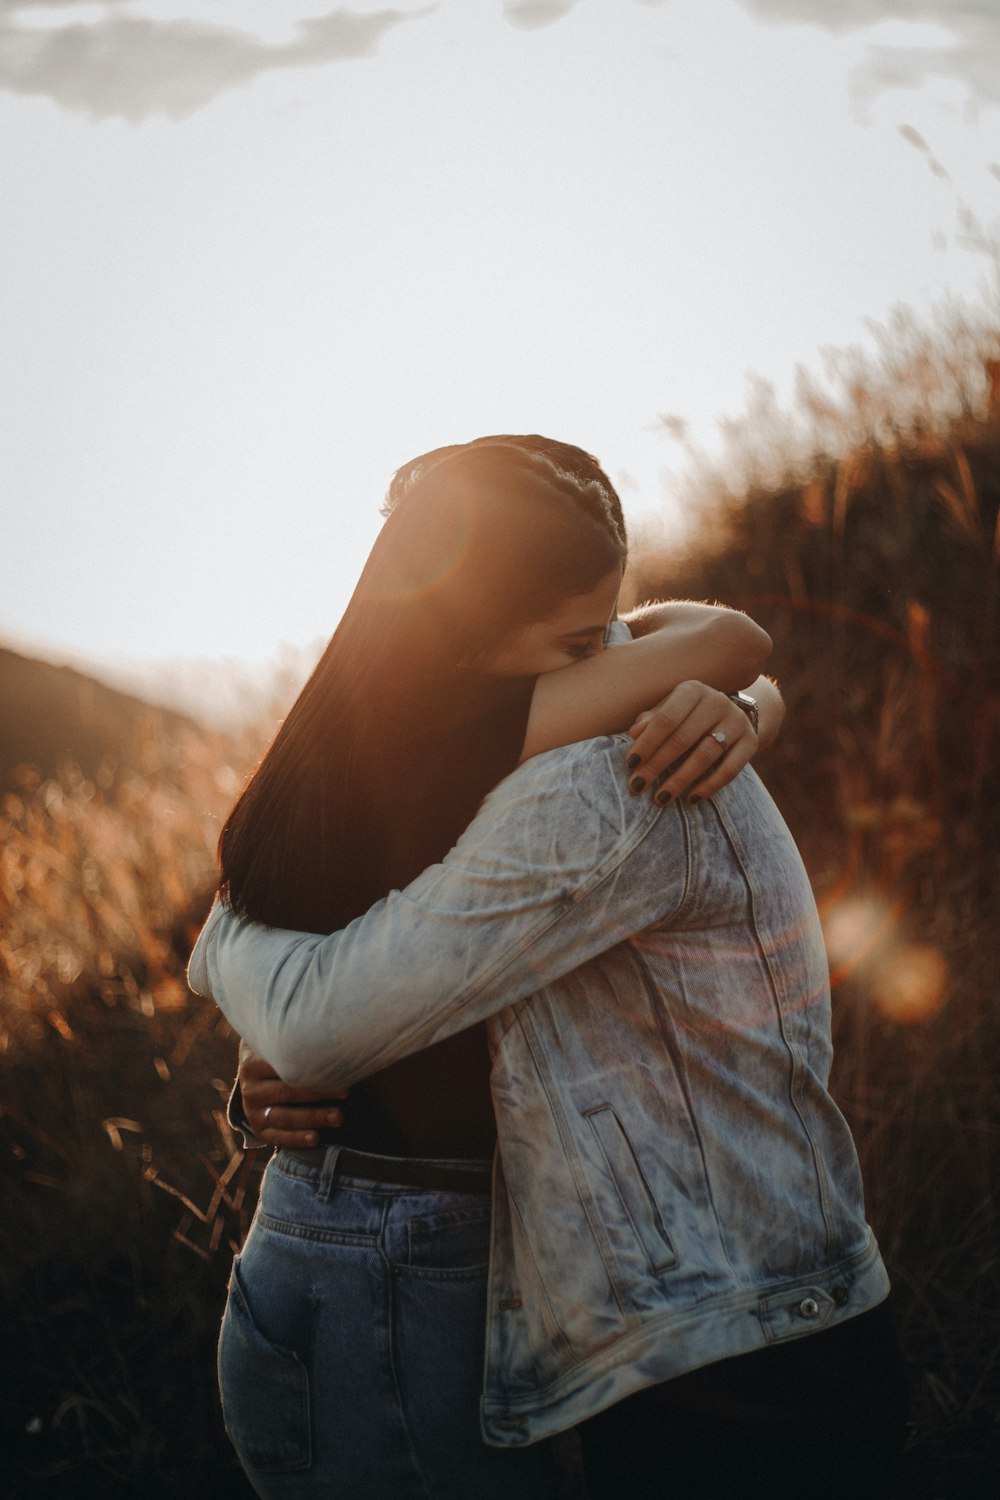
x=809 y=1308
x=840 y=1294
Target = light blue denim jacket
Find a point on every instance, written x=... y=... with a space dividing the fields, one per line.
x=673 y=1182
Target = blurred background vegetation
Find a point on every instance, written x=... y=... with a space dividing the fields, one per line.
x=861 y=529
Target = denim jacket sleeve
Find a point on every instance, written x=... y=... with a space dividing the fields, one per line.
x=557 y=867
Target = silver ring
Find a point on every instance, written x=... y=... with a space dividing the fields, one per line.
x=267 y=1112
x=720 y=735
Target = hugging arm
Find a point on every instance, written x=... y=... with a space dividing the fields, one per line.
x=296 y=1115
x=558 y=866
x=677 y=641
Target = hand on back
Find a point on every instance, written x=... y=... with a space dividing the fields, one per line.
x=277 y=1113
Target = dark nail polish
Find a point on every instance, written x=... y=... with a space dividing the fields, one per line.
x=636 y=784
x=664 y=797
x=633 y=761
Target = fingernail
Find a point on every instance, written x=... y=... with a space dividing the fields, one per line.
x=312 y=1139
x=637 y=783
x=334 y=1117
x=633 y=761
x=664 y=797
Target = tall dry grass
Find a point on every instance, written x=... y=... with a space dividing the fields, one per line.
x=862 y=528
x=862 y=531
x=122 y=1188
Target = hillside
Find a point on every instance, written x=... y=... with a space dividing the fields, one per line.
x=51 y=715
x=110 y=810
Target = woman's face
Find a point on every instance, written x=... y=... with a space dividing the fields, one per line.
x=574 y=632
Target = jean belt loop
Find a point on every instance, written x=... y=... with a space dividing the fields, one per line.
x=328 y=1173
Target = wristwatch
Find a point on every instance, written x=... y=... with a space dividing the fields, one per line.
x=749 y=707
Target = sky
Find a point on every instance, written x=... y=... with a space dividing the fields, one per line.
x=257 y=253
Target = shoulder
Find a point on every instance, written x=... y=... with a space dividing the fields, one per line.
x=572 y=798
x=585 y=767
x=753 y=821
x=563 y=831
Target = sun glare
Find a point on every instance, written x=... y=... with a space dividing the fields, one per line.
x=853 y=929
x=907 y=982
x=910 y=983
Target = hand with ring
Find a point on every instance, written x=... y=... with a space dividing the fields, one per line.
x=690 y=744
x=277 y=1113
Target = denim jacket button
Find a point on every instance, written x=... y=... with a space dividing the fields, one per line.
x=809 y=1308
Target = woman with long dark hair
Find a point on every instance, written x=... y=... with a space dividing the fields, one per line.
x=474 y=640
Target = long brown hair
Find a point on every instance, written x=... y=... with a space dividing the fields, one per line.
x=350 y=797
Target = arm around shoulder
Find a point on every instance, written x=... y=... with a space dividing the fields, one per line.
x=556 y=868
x=677 y=641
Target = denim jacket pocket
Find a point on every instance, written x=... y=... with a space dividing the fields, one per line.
x=632 y=1188
x=265 y=1392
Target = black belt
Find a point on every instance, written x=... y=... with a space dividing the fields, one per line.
x=402 y=1171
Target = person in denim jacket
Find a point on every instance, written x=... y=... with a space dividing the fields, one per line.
x=674 y=1190
x=674 y=1185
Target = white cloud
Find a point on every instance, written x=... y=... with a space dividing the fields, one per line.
x=10 y=5
x=850 y=15
x=134 y=67
x=973 y=59
x=531 y=15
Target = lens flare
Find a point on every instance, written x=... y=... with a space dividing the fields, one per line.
x=910 y=983
x=853 y=930
x=906 y=981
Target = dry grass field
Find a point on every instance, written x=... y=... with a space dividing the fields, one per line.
x=123 y=1192
x=862 y=530
x=866 y=539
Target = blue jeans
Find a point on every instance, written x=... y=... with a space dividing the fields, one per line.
x=351 y=1354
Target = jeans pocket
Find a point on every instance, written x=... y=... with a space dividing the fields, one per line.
x=265 y=1391
x=454 y=1241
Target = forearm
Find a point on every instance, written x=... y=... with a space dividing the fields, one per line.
x=666 y=614
x=715 y=645
x=655 y=613
x=685 y=642
x=509 y=911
